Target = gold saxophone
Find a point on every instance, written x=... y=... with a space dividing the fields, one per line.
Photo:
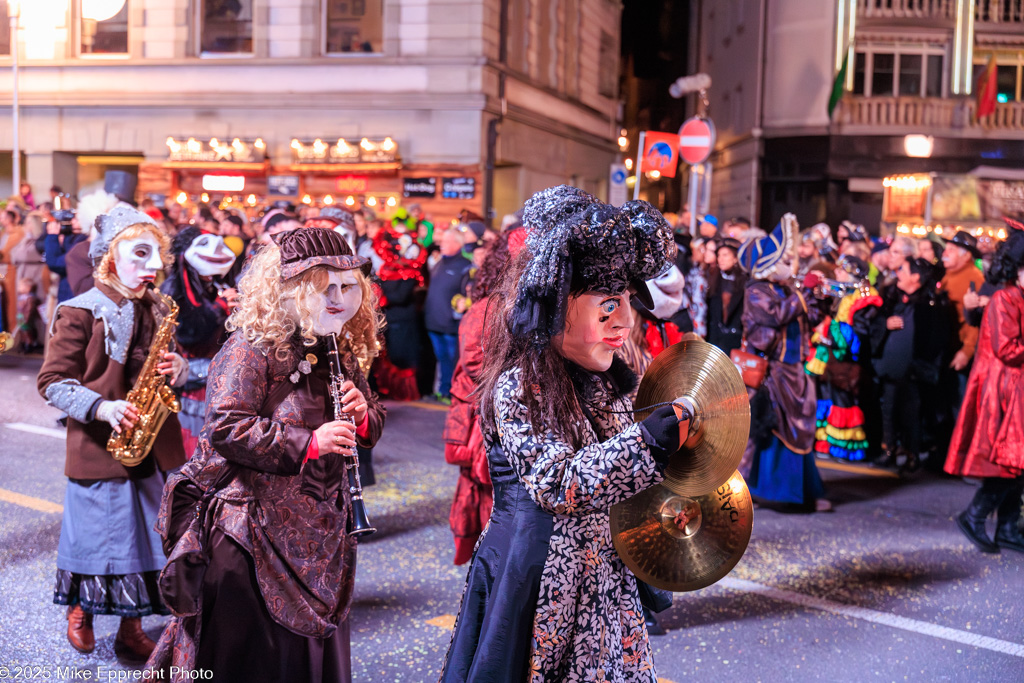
x=151 y=396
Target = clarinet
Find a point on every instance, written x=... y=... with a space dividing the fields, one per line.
x=360 y=523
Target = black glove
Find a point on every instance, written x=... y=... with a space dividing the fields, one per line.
x=661 y=432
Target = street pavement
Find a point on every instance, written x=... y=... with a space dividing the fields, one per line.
x=884 y=588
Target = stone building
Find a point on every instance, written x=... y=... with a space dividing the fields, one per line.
x=912 y=66
x=462 y=104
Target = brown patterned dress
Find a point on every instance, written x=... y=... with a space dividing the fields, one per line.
x=276 y=594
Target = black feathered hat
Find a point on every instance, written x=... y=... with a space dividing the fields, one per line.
x=577 y=244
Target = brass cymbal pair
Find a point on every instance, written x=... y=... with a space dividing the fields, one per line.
x=691 y=529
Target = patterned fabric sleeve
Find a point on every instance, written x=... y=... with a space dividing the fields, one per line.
x=560 y=480
x=236 y=388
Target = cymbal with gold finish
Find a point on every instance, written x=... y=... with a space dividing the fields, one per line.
x=706 y=381
x=683 y=543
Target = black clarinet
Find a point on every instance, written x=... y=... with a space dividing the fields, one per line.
x=360 y=523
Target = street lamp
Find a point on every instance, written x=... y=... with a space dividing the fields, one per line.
x=13 y=13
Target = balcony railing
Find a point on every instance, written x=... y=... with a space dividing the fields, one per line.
x=1005 y=12
x=1001 y=12
x=907 y=9
x=888 y=115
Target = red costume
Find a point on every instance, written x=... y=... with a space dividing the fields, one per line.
x=464 y=442
x=989 y=436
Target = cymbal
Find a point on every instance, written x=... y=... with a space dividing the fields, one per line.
x=705 y=378
x=682 y=543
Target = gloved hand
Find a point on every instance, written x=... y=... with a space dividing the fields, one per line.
x=118 y=414
x=667 y=428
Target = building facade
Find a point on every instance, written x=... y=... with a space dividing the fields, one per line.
x=462 y=104
x=911 y=70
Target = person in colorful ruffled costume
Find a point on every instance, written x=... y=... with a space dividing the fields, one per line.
x=842 y=340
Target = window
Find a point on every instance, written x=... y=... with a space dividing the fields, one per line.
x=608 y=66
x=5 y=30
x=1009 y=75
x=354 y=26
x=225 y=26
x=104 y=27
x=886 y=72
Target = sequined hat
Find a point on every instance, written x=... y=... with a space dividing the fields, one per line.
x=111 y=224
x=577 y=244
x=309 y=247
x=762 y=255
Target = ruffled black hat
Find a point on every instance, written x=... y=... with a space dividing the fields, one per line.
x=578 y=243
x=307 y=247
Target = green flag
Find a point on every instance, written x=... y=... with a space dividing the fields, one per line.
x=838 y=86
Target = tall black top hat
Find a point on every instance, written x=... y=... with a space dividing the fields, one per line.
x=121 y=184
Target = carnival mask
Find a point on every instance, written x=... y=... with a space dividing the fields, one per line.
x=209 y=256
x=137 y=260
x=596 y=326
x=340 y=302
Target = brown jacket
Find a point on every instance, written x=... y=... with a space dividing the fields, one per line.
x=956 y=284
x=78 y=351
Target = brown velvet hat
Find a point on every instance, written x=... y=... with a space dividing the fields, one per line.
x=307 y=247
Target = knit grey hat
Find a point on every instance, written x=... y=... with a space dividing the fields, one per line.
x=111 y=224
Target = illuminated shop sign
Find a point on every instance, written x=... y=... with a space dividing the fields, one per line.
x=419 y=187
x=223 y=183
x=214 y=150
x=342 y=151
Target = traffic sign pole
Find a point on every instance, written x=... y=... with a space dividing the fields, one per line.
x=639 y=165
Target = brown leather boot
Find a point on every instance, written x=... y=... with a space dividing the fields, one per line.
x=132 y=644
x=80 y=633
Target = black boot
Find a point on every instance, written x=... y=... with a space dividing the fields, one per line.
x=1008 y=533
x=887 y=458
x=972 y=520
x=653 y=627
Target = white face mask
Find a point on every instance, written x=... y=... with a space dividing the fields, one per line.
x=137 y=261
x=339 y=303
x=209 y=256
x=1020 y=278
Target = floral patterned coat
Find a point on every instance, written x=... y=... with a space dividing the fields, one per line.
x=587 y=621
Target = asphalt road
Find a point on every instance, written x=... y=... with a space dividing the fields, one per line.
x=884 y=588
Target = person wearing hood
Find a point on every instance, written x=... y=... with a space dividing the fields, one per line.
x=198 y=284
x=778 y=462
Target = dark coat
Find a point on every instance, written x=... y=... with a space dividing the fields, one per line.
x=55 y=251
x=725 y=310
x=447 y=279
x=77 y=351
x=934 y=340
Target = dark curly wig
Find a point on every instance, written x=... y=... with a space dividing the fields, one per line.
x=1008 y=259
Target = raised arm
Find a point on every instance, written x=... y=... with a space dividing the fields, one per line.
x=564 y=481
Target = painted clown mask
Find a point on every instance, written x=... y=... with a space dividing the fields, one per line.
x=333 y=307
x=137 y=260
x=596 y=326
x=209 y=256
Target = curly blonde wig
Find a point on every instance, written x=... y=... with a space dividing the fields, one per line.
x=262 y=318
x=105 y=271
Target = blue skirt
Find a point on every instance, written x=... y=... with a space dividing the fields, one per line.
x=108 y=526
x=779 y=475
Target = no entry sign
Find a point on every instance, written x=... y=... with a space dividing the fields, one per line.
x=696 y=140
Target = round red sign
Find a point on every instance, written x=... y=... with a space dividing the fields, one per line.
x=696 y=140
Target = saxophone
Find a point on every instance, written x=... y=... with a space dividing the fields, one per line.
x=151 y=396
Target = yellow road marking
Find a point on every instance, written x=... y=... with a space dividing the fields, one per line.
x=425 y=405
x=29 y=502
x=856 y=469
x=445 y=621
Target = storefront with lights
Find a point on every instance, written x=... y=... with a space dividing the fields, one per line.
x=367 y=172
x=210 y=171
x=919 y=204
